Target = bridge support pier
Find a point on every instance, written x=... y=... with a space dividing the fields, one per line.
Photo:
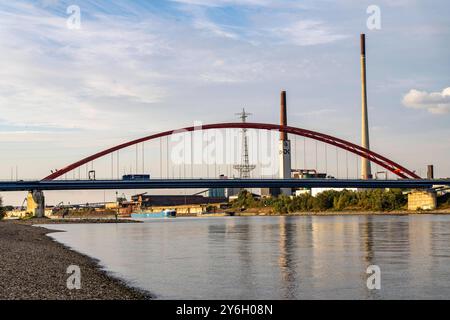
x=36 y=203
x=422 y=200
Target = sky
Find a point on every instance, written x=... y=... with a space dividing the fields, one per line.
x=137 y=67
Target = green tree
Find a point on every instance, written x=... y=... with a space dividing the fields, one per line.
x=303 y=202
x=245 y=200
x=325 y=200
x=344 y=200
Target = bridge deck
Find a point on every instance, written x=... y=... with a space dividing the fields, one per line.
x=217 y=183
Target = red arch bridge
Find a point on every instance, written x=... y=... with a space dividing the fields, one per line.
x=407 y=178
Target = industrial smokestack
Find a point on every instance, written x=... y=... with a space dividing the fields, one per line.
x=430 y=172
x=284 y=147
x=365 y=163
x=283 y=115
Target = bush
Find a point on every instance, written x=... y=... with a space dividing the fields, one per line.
x=2 y=210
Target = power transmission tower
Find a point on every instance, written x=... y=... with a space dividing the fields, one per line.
x=244 y=168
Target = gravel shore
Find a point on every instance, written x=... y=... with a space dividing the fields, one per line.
x=35 y=221
x=33 y=266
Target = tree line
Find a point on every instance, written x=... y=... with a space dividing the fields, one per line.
x=330 y=200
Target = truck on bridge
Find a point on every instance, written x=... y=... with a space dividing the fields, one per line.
x=133 y=177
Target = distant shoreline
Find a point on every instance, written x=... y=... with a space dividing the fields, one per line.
x=253 y=212
x=345 y=213
x=256 y=213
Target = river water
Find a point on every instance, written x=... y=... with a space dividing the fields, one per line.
x=309 y=257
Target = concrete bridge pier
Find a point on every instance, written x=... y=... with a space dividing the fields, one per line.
x=36 y=203
x=422 y=200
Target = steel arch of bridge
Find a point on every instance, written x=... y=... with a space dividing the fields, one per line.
x=384 y=162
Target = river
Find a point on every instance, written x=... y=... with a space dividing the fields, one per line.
x=287 y=257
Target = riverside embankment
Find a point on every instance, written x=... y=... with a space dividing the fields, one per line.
x=33 y=266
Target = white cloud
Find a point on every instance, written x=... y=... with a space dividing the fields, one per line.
x=400 y=3
x=67 y=78
x=202 y=22
x=308 y=33
x=220 y=3
x=214 y=28
x=93 y=78
x=270 y=4
x=433 y=102
x=115 y=67
x=47 y=3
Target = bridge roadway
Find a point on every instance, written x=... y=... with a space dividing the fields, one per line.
x=216 y=183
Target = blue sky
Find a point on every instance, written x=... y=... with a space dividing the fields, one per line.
x=133 y=65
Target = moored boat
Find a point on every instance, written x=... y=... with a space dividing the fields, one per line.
x=167 y=213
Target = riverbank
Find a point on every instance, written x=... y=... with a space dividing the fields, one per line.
x=33 y=266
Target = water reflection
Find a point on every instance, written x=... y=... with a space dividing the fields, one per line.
x=275 y=257
x=286 y=260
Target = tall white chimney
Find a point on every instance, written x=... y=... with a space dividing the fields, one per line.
x=365 y=164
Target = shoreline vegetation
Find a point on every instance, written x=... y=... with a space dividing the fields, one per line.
x=332 y=202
